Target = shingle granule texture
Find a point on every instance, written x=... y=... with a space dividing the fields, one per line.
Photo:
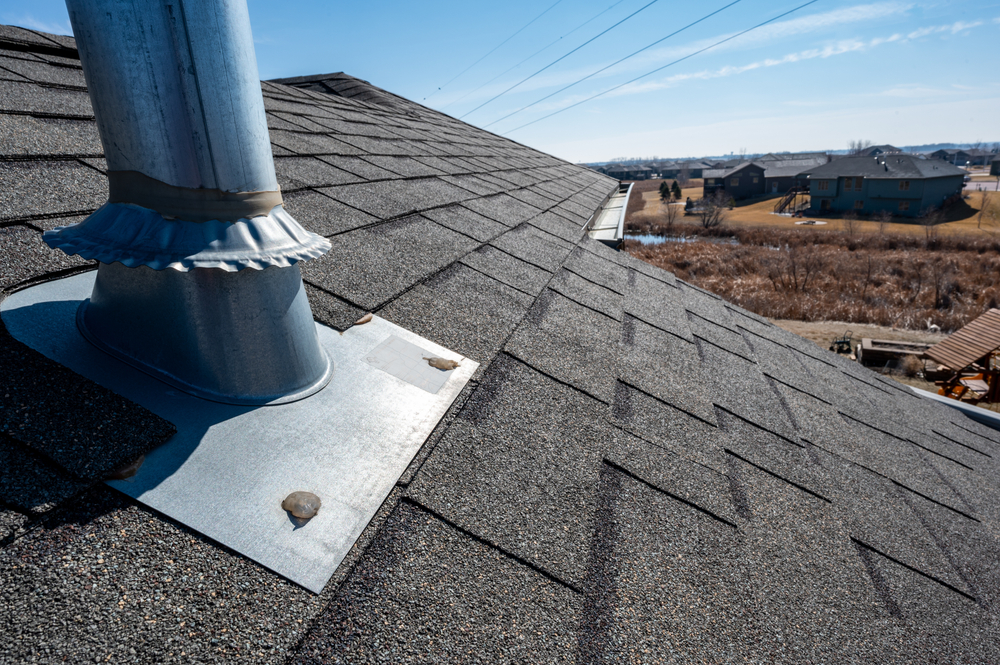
x=638 y=472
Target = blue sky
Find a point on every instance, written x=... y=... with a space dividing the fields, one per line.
x=893 y=72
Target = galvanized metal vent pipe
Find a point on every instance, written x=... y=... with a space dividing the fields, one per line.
x=198 y=281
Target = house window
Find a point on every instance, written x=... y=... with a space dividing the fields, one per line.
x=859 y=204
x=857 y=184
x=711 y=181
x=822 y=185
x=904 y=185
x=904 y=206
x=848 y=184
x=734 y=182
x=824 y=204
x=755 y=180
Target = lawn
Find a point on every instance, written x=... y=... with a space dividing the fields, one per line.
x=962 y=218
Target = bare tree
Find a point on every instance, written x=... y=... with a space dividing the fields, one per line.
x=976 y=146
x=984 y=203
x=743 y=154
x=791 y=268
x=929 y=220
x=671 y=213
x=711 y=210
x=684 y=176
x=884 y=219
x=858 y=147
x=850 y=223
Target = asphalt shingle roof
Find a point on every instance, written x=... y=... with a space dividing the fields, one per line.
x=890 y=166
x=639 y=470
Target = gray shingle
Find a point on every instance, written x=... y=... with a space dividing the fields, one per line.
x=507 y=269
x=24 y=256
x=370 y=266
x=483 y=475
x=321 y=214
x=452 y=595
x=463 y=220
x=299 y=172
x=22 y=136
x=462 y=310
x=46 y=188
x=558 y=338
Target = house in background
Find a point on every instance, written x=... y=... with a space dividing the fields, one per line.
x=958 y=157
x=819 y=157
x=694 y=168
x=787 y=171
x=872 y=151
x=628 y=172
x=995 y=166
x=740 y=182
x=903 y=184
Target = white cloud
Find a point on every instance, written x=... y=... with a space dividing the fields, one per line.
x=953 y=28
x=790 y=28
x=779 y=30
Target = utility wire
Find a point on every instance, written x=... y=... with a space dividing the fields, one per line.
x=494 y=49
x=616 y=62
x=643 y=8
x=670 y=64
x=544 y=48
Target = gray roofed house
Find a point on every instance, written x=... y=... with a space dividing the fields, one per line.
x=902 y=184
x=874 y=150
x=638 y=470
x=780 y=175
x=743 y=181
x=820 y=157
x=995 y=166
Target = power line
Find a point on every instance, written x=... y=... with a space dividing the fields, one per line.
x=494 y=49
x=617 y=62
x=670 y=64
x=544 y=48
x=643 y=8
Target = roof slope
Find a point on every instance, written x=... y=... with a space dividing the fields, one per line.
x=637 y=469
x=726 y=172
x=779 y=168
x=970 y=343
x=891 y=166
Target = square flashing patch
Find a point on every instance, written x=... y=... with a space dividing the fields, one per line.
x=408 y=362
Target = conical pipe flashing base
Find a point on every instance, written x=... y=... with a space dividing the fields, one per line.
x=244 y=337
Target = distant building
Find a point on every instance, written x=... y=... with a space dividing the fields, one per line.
x=960 y=157
x=743 y=181
x=780 y=175
x=628 y=172
x=995 y=166
x=818 y=157
x=872 y=151
x=694 y=169
x=903 y=184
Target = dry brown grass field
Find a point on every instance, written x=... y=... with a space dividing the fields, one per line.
x=900 y=280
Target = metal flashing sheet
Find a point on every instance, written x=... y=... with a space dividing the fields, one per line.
x=408 y=362
x=228 y=467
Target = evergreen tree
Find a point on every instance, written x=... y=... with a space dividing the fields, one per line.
x=665 y=192
x=676 y=189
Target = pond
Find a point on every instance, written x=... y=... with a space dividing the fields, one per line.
x=650 y=239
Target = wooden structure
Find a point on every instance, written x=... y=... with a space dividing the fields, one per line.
x=972 y=354
x=878 y=352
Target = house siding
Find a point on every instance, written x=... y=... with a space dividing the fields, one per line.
x=879 y=194
x=744 y=189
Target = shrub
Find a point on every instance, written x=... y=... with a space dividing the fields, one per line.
x=912 y=366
